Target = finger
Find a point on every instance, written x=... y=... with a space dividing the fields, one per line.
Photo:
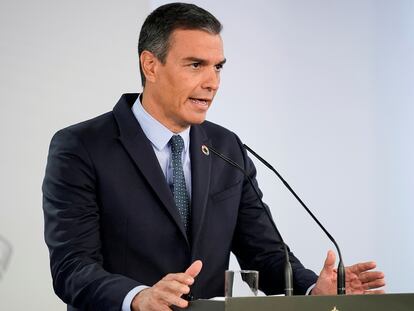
x=173 y=300
x=362 y=267
x=374 y=284
x=195 y=268
x=329 y=263
x=179 y=277
x=173 y=286
x=169 y=298
x=371 y=276
x=374 y=292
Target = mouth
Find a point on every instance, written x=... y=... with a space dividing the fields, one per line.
x=203 y=102
x=200 y=104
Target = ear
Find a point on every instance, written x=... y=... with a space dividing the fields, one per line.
x=149 y=63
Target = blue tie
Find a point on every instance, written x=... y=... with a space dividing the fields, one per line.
x=179 y=189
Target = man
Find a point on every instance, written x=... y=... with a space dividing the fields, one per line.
x=137 y=216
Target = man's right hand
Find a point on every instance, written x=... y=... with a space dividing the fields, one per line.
x=168 y=291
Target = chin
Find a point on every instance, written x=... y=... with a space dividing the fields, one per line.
x=198 y=120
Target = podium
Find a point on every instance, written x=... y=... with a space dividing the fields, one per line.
x=386 y=302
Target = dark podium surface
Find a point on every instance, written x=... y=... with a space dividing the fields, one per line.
x=386 y=302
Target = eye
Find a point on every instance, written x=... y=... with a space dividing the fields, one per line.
x=219 y=67
x=195 y=65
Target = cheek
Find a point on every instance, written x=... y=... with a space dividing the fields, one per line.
x=180 y=85
x=176 y=83
x=185 y=87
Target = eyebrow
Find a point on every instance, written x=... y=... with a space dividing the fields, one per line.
x=202 y=61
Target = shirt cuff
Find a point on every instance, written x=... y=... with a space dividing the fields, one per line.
x=126 y=304
x=308 y=291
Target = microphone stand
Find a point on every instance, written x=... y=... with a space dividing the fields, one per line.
x=341 y=279
x=288 y=274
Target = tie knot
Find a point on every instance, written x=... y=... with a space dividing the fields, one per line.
x=177 y=144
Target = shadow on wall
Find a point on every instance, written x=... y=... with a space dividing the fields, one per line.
x=5 y=254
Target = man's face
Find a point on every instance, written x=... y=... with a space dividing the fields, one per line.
x=184 y=87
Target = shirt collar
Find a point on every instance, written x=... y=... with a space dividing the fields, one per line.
x=157 y=133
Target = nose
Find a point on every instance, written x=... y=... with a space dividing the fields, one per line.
x=212 y=80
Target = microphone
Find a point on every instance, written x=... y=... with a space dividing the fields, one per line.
x=288 y=274
x=341 y=290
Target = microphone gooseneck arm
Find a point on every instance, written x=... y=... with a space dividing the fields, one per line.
x=288 y=274
x=341 y=290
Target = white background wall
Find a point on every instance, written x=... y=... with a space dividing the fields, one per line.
x=61 y=62
x=322 y=89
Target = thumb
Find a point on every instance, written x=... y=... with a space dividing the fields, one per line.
x=195 y=268
x=329 y=261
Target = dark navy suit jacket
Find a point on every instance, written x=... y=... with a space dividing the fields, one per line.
x=111 y=223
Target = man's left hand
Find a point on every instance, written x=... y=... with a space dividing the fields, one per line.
x=360 y=279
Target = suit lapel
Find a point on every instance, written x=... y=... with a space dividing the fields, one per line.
x=200 y=176
x=141 y=152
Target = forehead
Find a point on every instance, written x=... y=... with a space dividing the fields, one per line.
x=185 y=43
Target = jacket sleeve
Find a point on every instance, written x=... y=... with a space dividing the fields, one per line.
x=72 y=229
x=258 y=247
